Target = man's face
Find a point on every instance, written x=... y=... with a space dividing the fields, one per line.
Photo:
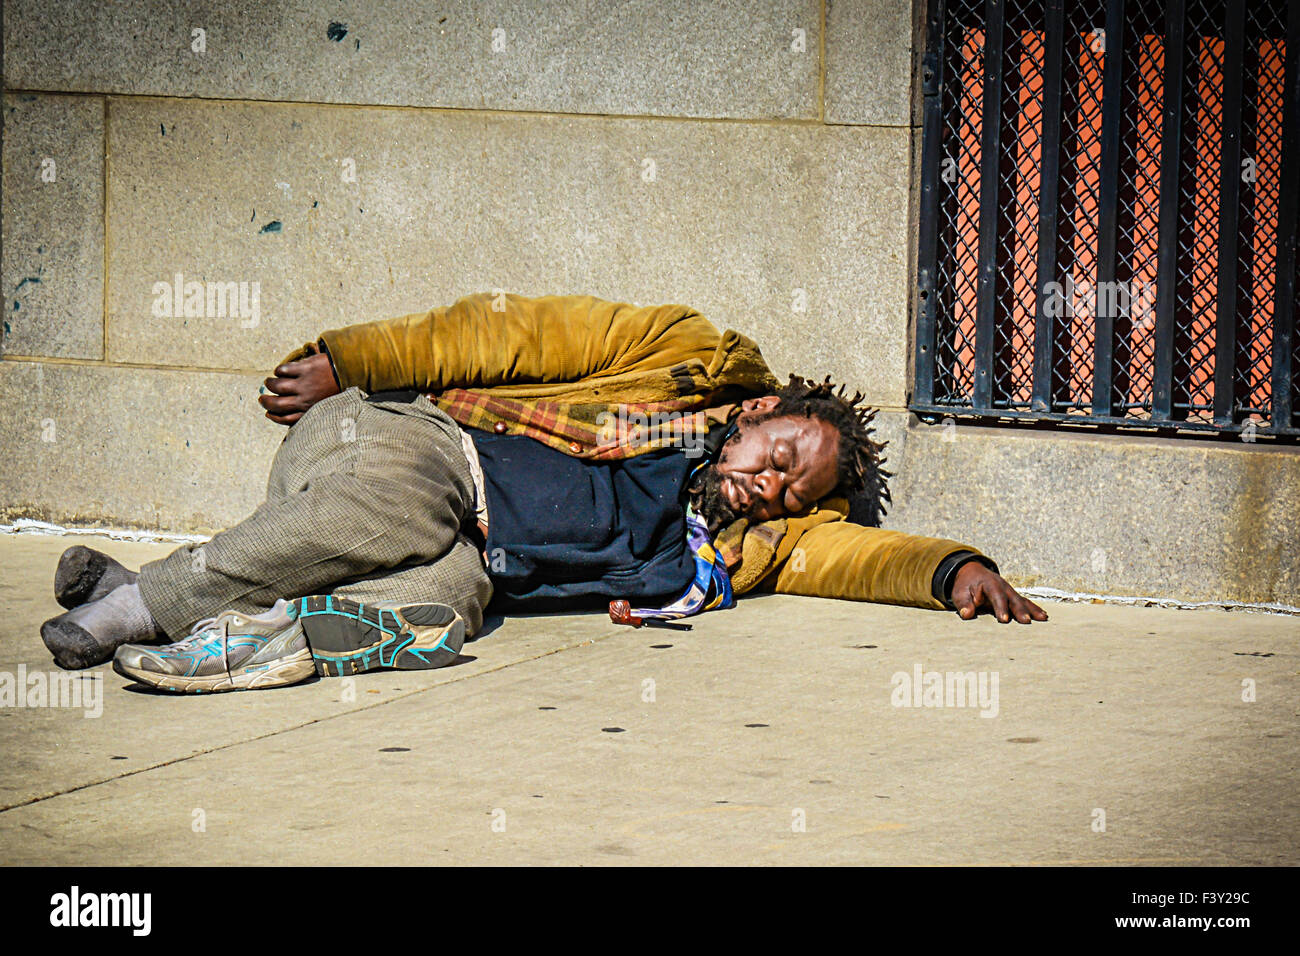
x=771 y=467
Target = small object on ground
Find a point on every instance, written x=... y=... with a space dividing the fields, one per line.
x=620 y=612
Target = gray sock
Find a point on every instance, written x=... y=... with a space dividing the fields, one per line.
x=92 y=633
x=84 y=575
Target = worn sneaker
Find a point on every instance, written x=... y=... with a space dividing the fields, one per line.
x=321 y=634
x=232 y=651
x=348 y=638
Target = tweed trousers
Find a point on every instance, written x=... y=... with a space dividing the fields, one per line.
x=367 y=500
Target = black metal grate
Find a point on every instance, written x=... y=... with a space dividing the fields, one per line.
x=1139 y=212
x=960 y=173
x=1109 y=200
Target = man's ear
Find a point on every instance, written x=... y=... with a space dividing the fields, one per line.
x=764 y=403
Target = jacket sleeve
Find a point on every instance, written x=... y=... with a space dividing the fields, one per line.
x=486 y=340
x=840 y=559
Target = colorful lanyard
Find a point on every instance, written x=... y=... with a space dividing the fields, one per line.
x=711 y=587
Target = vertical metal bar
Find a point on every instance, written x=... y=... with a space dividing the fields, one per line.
x=990 y=181
x=1050 y=303
x=1225 y=320
x=1288 y=213
x=1171 y=136
x=1103 y=342
x=932 y=80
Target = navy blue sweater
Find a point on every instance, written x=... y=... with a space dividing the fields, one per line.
x=565 y=532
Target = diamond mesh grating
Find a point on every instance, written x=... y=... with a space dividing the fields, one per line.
x=1194 y=338
x=1020 y=185
x=1015 y=289
x=1139 y=212
x=1085 y=57
x=959 y=184
x=1261 y=196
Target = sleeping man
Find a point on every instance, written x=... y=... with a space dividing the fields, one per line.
x=539 y=453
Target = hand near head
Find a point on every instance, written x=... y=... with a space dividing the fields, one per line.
x=977 y=588
x=297 y=386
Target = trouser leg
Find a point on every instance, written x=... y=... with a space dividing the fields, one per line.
x=358 y=492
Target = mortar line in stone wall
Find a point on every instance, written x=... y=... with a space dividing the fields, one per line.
x=811 y=122
x=868 y=126
x=159 y=367
x=103 y=316
x=821 y=68
x=147 y=366
x=451 y=110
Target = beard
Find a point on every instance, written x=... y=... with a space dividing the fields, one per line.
x=705 y=490
x=708 y=501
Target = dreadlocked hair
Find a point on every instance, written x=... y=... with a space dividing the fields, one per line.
x=861 y=478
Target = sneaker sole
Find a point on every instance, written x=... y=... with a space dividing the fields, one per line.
x=347 y=637
x=279 y=673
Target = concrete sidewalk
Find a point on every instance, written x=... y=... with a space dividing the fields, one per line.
x=766 y=735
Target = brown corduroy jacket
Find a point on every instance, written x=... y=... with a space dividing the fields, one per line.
x=554 y=367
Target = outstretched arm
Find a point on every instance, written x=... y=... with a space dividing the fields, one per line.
x=839 y=559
